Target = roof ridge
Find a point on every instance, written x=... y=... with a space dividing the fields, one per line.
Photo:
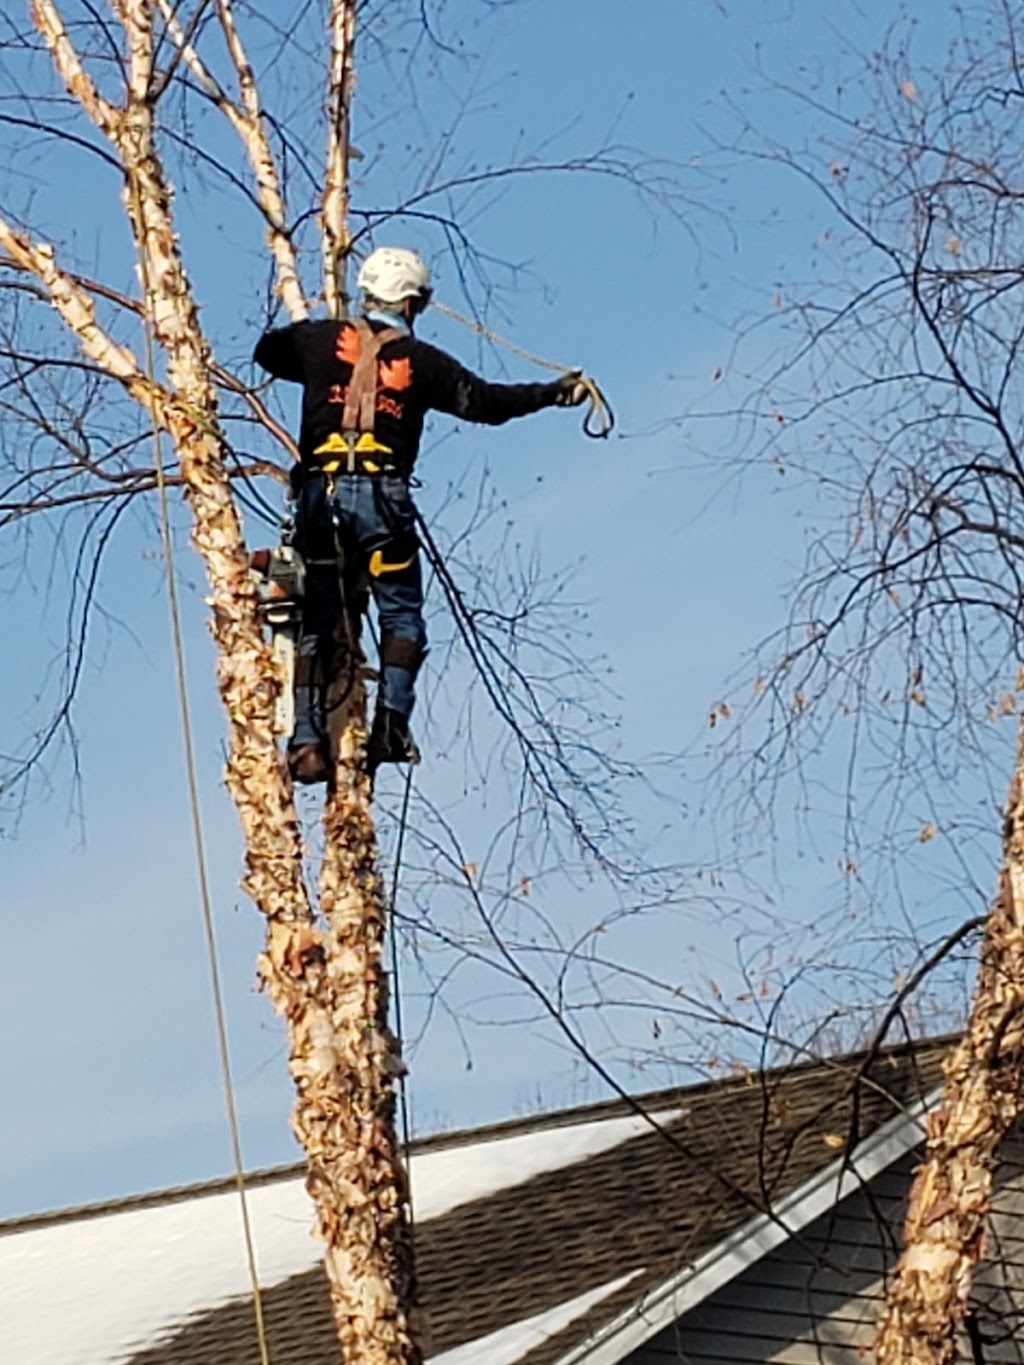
x=597 y=1111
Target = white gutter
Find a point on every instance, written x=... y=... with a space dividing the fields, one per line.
x=661 y=1306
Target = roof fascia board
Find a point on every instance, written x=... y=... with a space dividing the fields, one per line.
x=662 y=1305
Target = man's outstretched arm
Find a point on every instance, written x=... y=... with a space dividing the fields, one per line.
x=450 y=387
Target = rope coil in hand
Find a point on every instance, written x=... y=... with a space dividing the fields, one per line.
x=599 y=421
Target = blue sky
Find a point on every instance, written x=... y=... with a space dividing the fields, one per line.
x=108 y=1082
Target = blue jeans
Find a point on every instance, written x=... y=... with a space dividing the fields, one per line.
x=350 y=528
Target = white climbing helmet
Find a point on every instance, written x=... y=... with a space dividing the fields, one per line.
x=393 y=273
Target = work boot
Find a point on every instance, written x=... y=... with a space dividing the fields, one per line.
x=390 y=740
x=309 y=763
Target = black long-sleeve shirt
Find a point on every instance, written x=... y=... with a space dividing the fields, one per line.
x=412 y=378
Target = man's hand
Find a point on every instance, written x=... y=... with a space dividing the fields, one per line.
x=570 y=390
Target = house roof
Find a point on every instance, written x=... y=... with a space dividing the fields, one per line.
x=539 y=1242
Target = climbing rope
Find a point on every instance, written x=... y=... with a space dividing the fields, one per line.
x=599 y=421
x=403 y=1093
x=192 y=786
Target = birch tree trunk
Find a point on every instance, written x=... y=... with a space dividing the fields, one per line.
x=327 y=982
x=983 y=1098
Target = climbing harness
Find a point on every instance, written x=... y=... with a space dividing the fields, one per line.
x=599 y=420
x=361 y=395
x=354 y=450
x=351 y=455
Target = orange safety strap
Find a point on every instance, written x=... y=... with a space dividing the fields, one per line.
x=361 y=396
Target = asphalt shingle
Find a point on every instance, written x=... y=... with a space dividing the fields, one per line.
x=647 y=1207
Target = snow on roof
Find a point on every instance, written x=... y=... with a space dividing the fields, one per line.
x=511 y=1344
x=93 y=1291
x=443 y=1179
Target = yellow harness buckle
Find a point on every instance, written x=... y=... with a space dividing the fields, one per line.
x=350 y=446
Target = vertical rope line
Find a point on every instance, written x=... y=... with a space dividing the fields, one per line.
x=192 y=786
x=403 y=1093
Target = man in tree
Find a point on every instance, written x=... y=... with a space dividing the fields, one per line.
x=367 y=385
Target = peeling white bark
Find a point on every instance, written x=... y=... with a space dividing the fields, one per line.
x=361 y=1164
x=77 y=310
x=944 y=1232
x=48 y=21
x=247 y=119
x=341 y=81
x=327 y=983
